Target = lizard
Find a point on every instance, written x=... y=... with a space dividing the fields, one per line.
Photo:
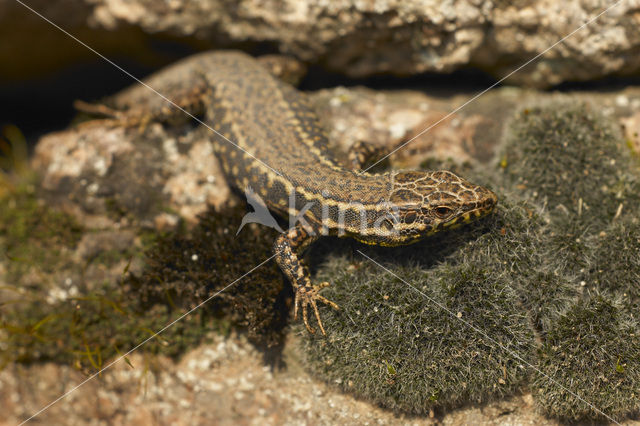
x=267 y=136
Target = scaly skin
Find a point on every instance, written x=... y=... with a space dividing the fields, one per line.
x=273 y=122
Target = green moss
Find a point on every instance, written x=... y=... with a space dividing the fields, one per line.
x=88 y=330
x=574 y=164
x=514 y=244
x=33 y=235
x=594 y=351
x=408 y=350
x=438 y=360
x=572 y=160
x=546 y=295
x=615 y=262
x=523 y=276
x=567 y=248
x=182 y=271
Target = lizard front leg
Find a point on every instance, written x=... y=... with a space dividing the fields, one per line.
x=288 y=248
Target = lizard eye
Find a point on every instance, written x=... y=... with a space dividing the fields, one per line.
x=443 y=211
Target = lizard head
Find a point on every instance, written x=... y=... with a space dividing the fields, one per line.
x=424 y=202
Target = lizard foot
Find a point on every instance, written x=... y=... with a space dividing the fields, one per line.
x=307 y=295
x=111 y=118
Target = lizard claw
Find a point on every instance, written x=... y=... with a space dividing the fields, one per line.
x=307 y=295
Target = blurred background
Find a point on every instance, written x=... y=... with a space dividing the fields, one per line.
x=461 y=45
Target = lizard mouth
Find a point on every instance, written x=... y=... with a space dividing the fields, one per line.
x=470 y=216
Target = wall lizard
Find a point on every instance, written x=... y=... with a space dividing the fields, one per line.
x=271 y=121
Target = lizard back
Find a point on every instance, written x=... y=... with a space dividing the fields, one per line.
x=275 y=123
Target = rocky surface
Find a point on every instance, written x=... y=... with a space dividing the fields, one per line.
x=107 y=176
x=116 y=181
x=93 y=164
x=357 y=39
x=225 y=383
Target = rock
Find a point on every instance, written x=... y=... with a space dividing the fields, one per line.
x=357 y=39
x=118 y=180
x=225 y=382
x=99 y=170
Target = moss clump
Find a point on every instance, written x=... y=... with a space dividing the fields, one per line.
x=542 y=277
x=567 y=246
x=574 y=164
x=615 y=263
x=408 y=350
x=87 y=331
x=570 y=159
x=182 y=271
x=33 y=235
x=594 y=351
x=511 y=243
x=463 y=337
